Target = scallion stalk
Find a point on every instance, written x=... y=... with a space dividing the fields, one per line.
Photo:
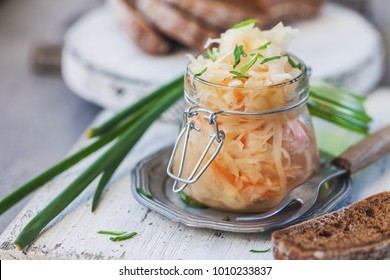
x=119 y=117
x=124 y=143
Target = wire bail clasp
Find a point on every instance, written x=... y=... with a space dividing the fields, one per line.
x=189 y=125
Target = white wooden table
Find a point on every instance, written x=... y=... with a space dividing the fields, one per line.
x=73 y=235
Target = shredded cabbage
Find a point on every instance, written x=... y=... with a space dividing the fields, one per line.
x=263 y=156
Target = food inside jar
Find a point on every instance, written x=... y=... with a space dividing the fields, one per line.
x=269 y=145
x=261 y=159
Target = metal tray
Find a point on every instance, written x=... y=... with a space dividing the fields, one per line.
x=150 y=176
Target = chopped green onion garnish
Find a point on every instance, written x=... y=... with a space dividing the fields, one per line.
x=249 y=64
x=123 y=237
x=111 y=232
x=263 y=47
x=211 y=55
x=144 y=193
x=245 y=23
x=201 y=72
x=293 y=63
x=265 y=60
x=238 y=52
x=260 y=251
x=192 y=203
x=238 y=75
x=226 y=218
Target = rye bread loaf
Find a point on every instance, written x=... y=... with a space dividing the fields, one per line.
x=176 y=24
x=358 y=231
x=142 y=33
x=221 y=14
x=288 y=10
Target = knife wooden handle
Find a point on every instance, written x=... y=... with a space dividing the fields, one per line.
x=365 y=152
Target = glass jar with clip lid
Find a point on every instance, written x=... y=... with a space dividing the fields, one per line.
x=243 y=148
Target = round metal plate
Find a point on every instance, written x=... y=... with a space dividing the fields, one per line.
x=150 y=176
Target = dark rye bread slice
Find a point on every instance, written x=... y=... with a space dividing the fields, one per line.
x=358 y=231
x=288 y=10
x=221 y=14
x=176 y=24
x=142 y=33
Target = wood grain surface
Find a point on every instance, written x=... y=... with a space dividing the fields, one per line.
x=73 y=235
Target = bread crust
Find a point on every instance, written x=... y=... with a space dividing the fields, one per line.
x=176 y=24
x=358 y=231
x=221 y=14
x=287 y=10
x=139 y=29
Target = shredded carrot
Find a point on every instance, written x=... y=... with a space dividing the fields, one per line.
x=239 y=95
x=227 y=175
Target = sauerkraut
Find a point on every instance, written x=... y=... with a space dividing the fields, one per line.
x=264 y=154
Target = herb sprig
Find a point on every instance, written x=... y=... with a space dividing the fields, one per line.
x=238 y=52
x=201 y=72
x=260 y=251
x=245 y=23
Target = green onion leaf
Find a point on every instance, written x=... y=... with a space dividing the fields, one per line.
x=211 y=55
x=260 y=251
x=293 y=63
x=265 y=60
x=134 y=108
x=238 y=52
x=128 y=138
x=192 y=203
x=201 y=72
x=238 y=75
x=111 y=232
x=244 y=23
x=263 y=47
x=107 y=174
x=144 y=193
x=249 y=64
x=123 y=237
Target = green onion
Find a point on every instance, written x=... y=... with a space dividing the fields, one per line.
x=144 y=193
x=55 y=170
x=123 y=237
x=263 y=47
x=338 y=105
x=201 y=72
x=211 y=55
x=192 y=203
x=111 y=232
x=293 y=63
x=244 y=23
x=265 y=60
x=107 y=174
x=226 y=218
x=176 y=83
x=238 y=75
x=249 y=64
x=260 y=251
x=122 y=146
x=238 y=52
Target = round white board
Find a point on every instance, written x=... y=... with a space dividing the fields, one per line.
x=102 y=65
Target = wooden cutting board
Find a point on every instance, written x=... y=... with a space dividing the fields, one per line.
x=73 y=235
x=106 y=68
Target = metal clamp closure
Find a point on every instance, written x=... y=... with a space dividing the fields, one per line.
x=189 y=125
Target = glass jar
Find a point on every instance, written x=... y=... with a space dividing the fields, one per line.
x=242 y=148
